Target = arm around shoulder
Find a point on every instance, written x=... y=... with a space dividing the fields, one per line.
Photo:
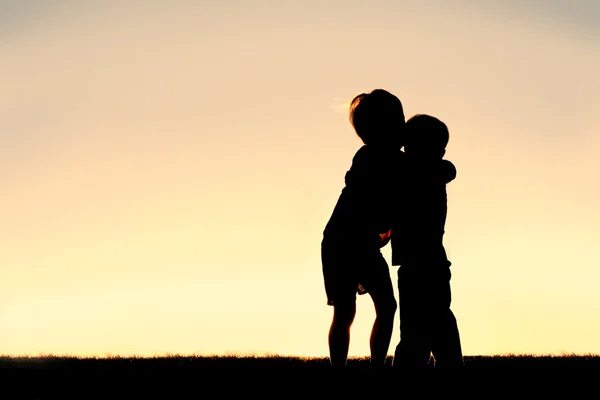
x=448 y=171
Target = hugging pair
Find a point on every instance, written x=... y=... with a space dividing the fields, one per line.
x=397 y=196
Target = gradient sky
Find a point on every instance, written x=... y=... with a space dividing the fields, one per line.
x=167 y=168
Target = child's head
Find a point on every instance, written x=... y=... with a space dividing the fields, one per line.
x=378 y=118
x=426 y=136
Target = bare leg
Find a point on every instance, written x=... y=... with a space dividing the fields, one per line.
x=339 y=333
x=381 y=334
x=375 y=278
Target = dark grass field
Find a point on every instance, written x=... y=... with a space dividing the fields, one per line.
x=180 y=362
x=206 y=377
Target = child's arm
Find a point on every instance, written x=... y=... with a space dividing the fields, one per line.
x=448 y=171
x=398 y=208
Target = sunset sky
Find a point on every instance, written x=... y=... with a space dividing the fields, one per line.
x=167 y=168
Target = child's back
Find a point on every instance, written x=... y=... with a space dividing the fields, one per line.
x=420 y=223
x=350 y=250
x=363 y=209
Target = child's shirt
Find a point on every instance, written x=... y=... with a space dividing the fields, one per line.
x=362 y=215
x=420 y=212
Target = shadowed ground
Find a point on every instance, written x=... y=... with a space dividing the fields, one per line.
x=185 y=377
x=178 y=362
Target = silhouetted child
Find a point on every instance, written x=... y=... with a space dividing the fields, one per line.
x=360 y=226
x=427 y=325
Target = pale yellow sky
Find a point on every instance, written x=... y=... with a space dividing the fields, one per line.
x=167 y=169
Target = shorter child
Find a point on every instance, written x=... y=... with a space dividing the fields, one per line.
x=427 y=325
x=350 y=250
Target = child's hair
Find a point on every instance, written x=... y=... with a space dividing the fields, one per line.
x=426 y=134
x=374 y=115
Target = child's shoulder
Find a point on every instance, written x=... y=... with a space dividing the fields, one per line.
x=373 y=156
x=362 y=154
x=371 y=163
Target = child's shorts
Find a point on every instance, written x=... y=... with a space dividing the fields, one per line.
x=348 y=269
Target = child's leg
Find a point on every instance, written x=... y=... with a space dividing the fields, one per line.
x=446 y=344
x=339 y=333
x=414 y=349
x=378 y=284
x=446 y=341
x=341 y=283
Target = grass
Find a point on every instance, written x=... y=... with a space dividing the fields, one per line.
x=186 y=377
x=234 y=362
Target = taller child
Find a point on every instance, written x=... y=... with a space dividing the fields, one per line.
x=360 y=224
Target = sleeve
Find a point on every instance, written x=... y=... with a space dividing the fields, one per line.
x=448 y=171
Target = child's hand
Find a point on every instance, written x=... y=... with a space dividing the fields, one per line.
x=448 y=171
x=384 y=238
